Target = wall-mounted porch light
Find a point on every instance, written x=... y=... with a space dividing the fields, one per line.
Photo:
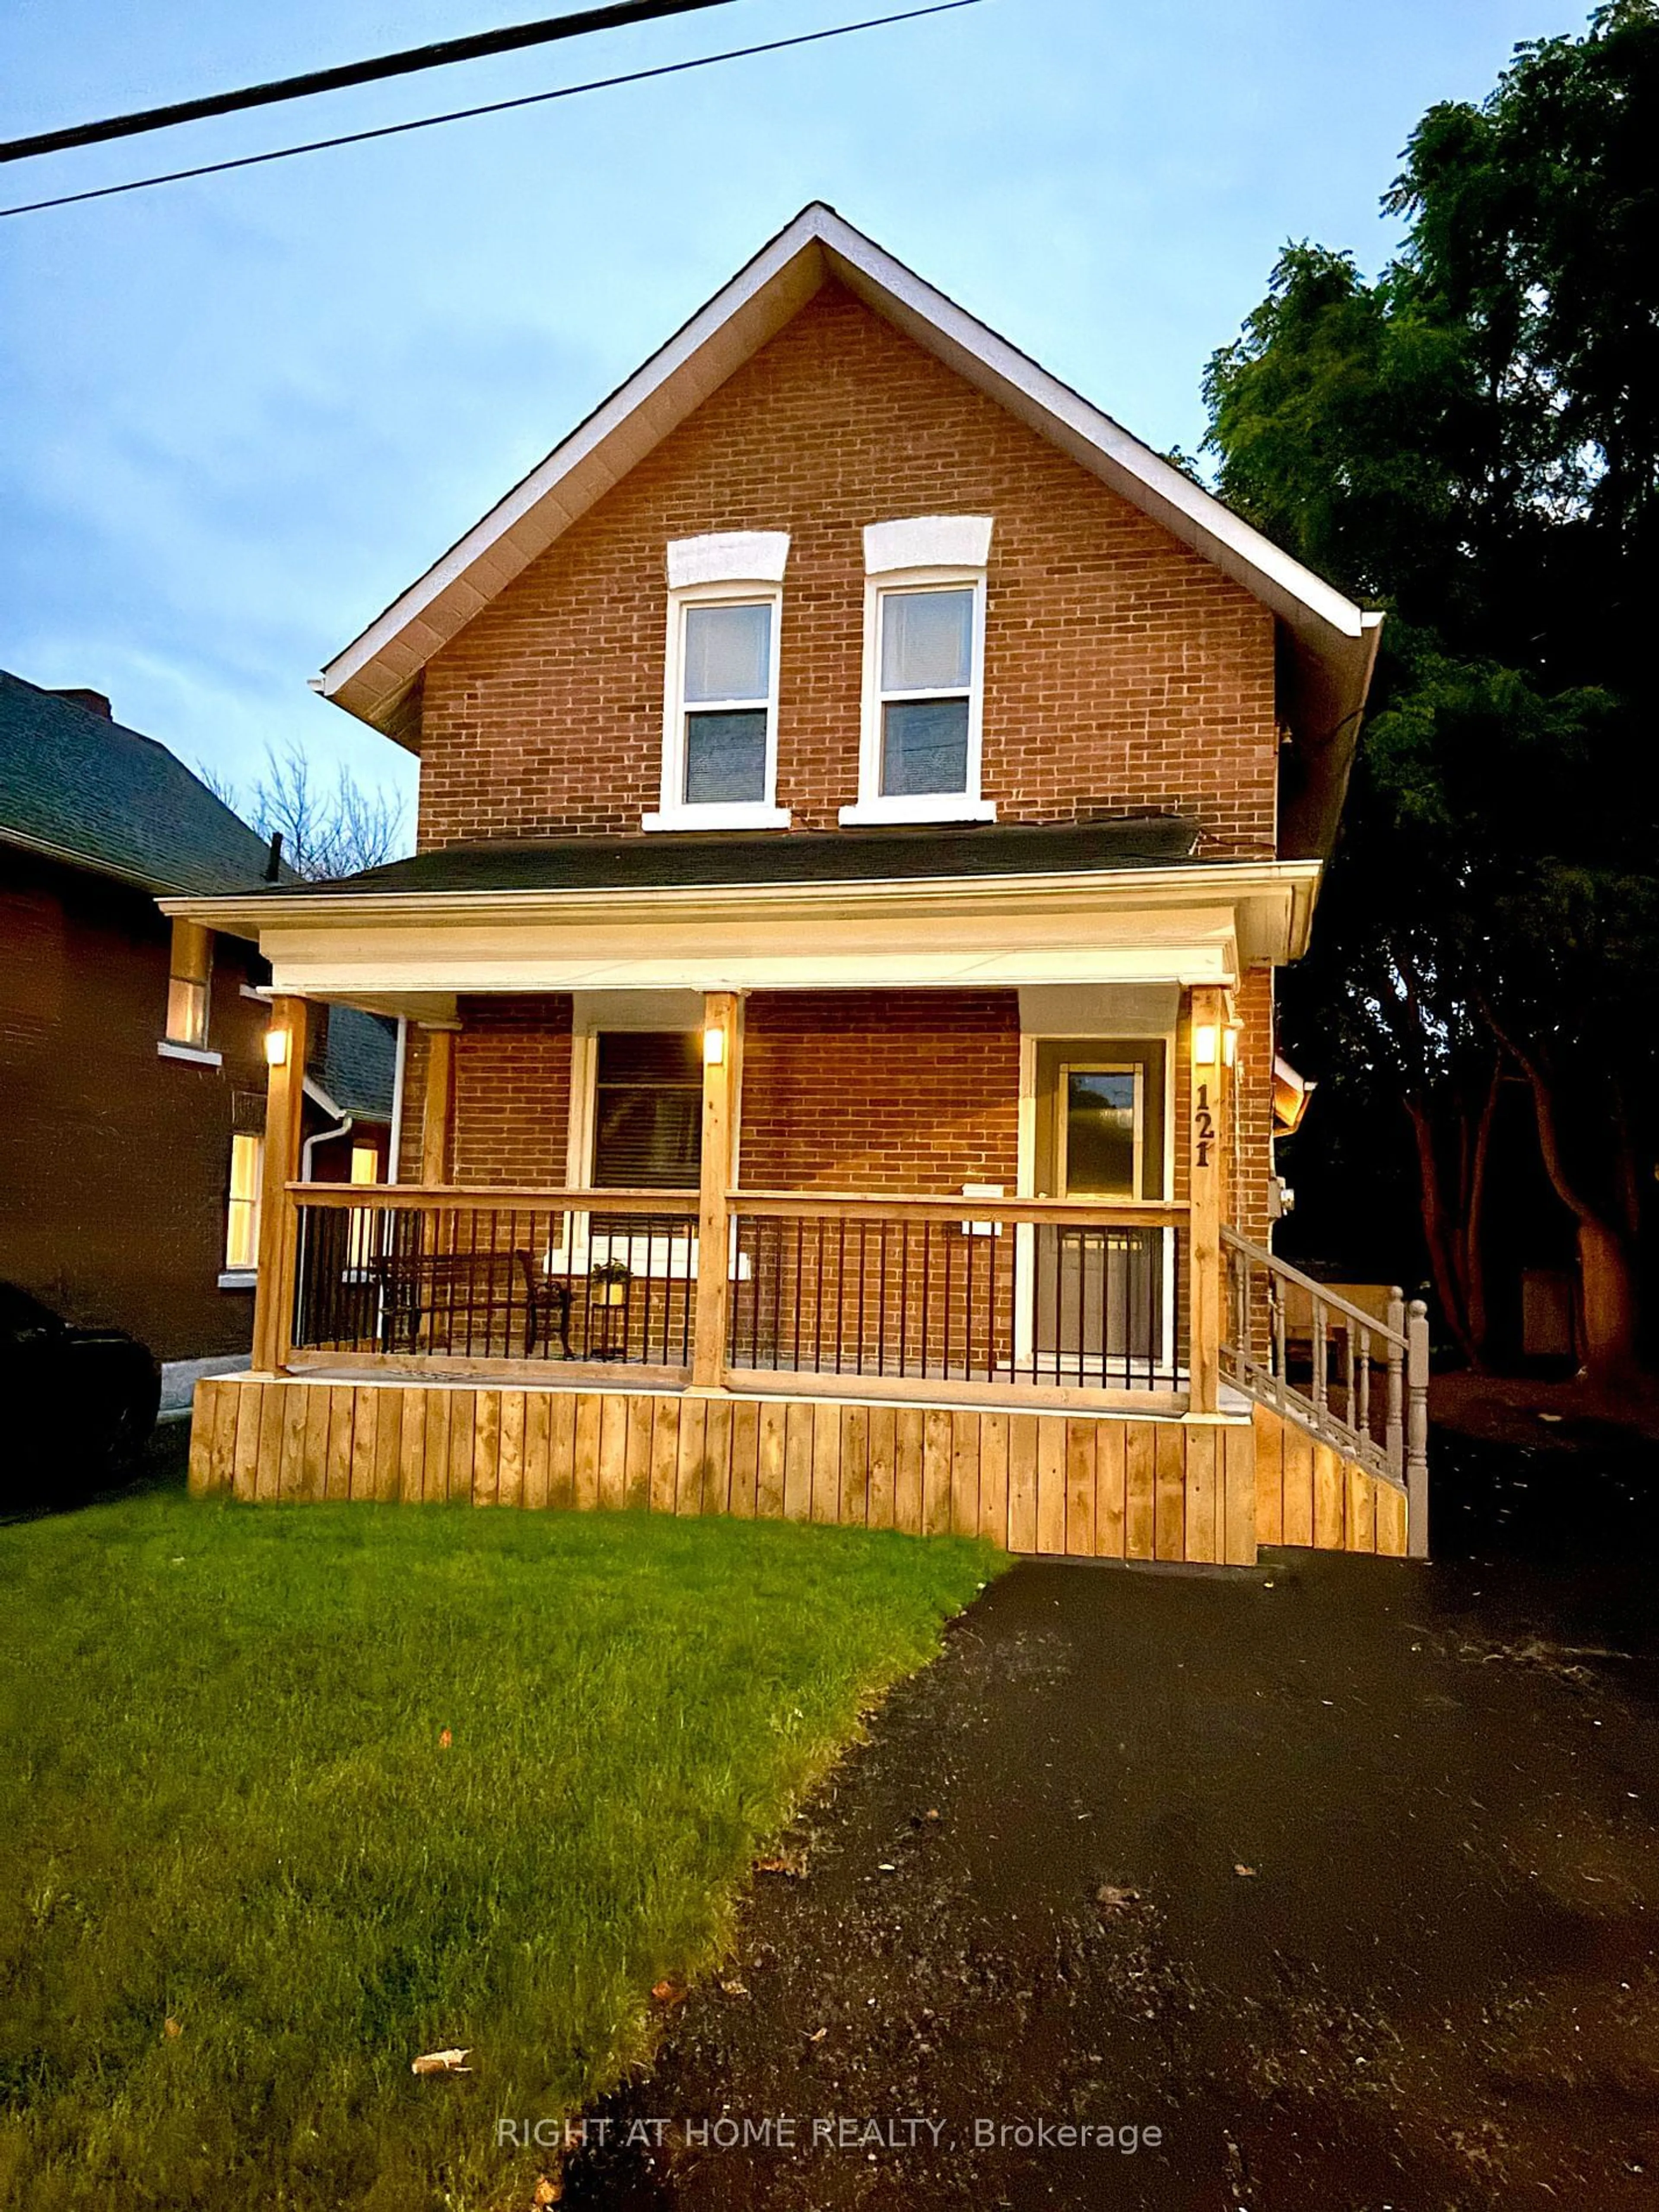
x=714 y=1046
x=1205 y=1037
x=277 y=1048
x=1230 y=1043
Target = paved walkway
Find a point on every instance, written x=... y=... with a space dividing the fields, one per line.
x=1342 y=1875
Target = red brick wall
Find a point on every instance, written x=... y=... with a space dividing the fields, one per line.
x=512 y=1092
x=906 y=1091
x=1123 y=671
x=114 y=1163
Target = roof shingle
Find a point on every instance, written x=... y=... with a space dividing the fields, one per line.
x=88 y=790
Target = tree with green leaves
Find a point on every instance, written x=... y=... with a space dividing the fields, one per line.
x=1470 y=440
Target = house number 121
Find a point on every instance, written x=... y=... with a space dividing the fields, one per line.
x=1203 y=1125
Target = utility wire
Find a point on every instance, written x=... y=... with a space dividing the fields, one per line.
x=490 y=108
x=437 y=56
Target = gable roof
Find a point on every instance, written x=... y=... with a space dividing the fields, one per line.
x=376 y=676
x=80 y=788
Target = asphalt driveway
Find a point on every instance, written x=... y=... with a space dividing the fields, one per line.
x=1332 y=1886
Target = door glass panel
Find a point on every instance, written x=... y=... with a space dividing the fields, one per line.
x=1100 y=1132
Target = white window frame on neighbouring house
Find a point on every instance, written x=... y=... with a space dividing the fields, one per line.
x=928 y=553
x=741 y=568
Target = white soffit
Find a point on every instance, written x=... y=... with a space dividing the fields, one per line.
x=373 y=677
x=729 y=556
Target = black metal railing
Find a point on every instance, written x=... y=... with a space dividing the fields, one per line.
x=468 y=1276
x=968 y=1290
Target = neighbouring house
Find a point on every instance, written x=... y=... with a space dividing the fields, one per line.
x=132 y=1051
x=865 y=796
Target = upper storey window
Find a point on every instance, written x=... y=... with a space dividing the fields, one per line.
x=720 y=756
x=924 y=651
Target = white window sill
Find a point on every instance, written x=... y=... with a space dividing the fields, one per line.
x=239 y=1279
x=742 y=817
x=921 y=806
x=194 y=1054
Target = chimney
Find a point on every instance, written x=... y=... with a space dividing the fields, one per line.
x=95 y=702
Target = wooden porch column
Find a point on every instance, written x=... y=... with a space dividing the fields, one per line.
x=438 y=1106
x=273 y=1296
x=1206 y=1171
x=722 y=1045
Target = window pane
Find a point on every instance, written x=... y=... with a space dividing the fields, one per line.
x=247 y=1156
x=926 y=641
x=187 y=1002
x=1100 y=1133
x=725 y=757
x=648 y=1139
x=651 y=1056
x=925 y=747
x=728 y=652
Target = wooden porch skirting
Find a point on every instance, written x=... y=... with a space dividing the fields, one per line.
x=1092 y=1485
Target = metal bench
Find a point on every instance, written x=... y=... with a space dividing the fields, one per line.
x=446 y=1302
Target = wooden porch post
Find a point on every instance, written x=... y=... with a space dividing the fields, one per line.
x=273 y=1296
x=1205 y=1172
x=438 y=1106
x=722 y=1045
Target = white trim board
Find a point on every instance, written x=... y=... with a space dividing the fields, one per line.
x=375 y=676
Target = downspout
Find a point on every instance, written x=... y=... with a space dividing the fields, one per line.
x=322 y=1137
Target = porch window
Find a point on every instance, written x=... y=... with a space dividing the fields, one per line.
x=924 y=651
x=247 y=1155
x=647 y=1111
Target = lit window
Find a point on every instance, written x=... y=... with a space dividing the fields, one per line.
x=365 y=1168
x=242 y=1215
x=191 y=966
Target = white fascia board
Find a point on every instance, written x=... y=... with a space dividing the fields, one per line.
x=373 y=673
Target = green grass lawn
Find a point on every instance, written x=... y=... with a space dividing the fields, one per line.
x=227 y=1804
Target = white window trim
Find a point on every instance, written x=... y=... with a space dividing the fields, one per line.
x=674 y=812
x=197 y=1055
x=873 y=806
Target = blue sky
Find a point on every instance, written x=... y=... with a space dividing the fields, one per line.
x=237 y=416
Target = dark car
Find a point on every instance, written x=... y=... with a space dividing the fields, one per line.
x=76 y=1405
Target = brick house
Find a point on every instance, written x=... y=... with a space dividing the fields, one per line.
x=864 y=794
x=133 y=1060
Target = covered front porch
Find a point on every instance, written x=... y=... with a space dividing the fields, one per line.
x=966 y=1199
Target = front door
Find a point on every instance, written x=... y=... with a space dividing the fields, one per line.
x=1099 y=1288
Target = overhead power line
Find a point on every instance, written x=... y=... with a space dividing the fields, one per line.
x=440 y=55
x=489 y=107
